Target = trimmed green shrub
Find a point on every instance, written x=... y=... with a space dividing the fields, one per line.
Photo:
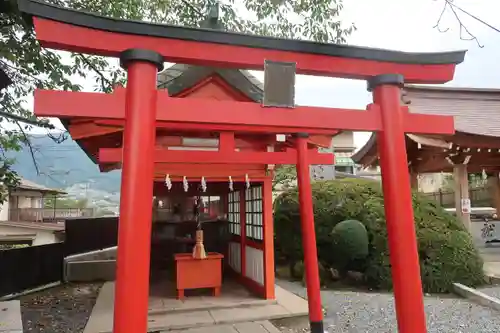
x=349 y=245
x=447 y=253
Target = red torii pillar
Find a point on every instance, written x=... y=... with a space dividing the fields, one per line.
x=311 y=268
x=134 y=229
x=403 y=250
x=405 y=264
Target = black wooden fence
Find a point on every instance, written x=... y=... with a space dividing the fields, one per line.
x=30 y=267
x=89 y=234
x=34 y=266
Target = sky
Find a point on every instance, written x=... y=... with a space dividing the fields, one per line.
x=408 y=25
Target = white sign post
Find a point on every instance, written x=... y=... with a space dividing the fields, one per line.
x=465 y=204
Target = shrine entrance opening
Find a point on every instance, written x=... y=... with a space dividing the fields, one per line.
x=143 y=110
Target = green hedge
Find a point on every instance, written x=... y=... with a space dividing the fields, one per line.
x=447 y=253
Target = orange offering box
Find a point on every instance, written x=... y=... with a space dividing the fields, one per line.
x=198 y=273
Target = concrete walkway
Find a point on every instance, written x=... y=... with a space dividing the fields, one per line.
x=10 y=317
x=492 y=268
x=491 y=257
x=225 y=312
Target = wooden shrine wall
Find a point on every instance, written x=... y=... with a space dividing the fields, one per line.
x=234 y=218
x=254 y=235
x=246 y=221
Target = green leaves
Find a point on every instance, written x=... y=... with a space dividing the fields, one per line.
x=285 y=176
x=30 y=66
x=446 y=249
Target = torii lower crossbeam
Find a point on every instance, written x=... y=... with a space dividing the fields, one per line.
x=238 y=116
x=113 y=155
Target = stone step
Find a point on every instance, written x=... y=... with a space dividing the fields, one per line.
x=217 y=317
x=246 y=327
x=207 y=305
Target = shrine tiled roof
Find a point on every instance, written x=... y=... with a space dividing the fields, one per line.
x=179 y=77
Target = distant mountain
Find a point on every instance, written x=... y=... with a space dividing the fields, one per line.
x=65 y=166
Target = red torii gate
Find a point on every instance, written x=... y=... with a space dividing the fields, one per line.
x=142 y=49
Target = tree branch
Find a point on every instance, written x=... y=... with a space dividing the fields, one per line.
x=26 y=120
x=193 y=8
x=448 y=4
x=95 y=69
x=28 y=142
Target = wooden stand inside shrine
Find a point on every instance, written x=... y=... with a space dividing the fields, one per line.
x=189 y=270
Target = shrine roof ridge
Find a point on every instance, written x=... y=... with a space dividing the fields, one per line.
x=89 y=20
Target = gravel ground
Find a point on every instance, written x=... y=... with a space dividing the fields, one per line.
x=354 y=312
x=62 y=309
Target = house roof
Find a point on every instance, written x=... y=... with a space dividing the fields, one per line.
x=180 y=77
x=475 y=110
x=476 y=113
x=29 y=185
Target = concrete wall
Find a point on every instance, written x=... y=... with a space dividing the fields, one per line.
x=104 y=254
x=431 y=182
x=344 y=141
x=4 y=210
x=42 y=236
x=91 y=266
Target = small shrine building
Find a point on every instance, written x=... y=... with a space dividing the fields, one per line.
x=247 y=209
x=473 y=149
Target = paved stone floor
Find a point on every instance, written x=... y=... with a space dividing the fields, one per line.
x=235 y=305
x=10 y=317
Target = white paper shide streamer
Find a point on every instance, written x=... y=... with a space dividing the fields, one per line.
x=203 y=184
x=168 y=182
x=247 y=180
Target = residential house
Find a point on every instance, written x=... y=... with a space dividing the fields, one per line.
x=24 y=220
x=343 y=147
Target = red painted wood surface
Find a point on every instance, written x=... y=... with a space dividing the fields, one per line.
x=134 y=232
x=236 y=116
x=188 y=272
x=209 y=114
x=403 y=248
x=84 y=40
x=111 y=155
